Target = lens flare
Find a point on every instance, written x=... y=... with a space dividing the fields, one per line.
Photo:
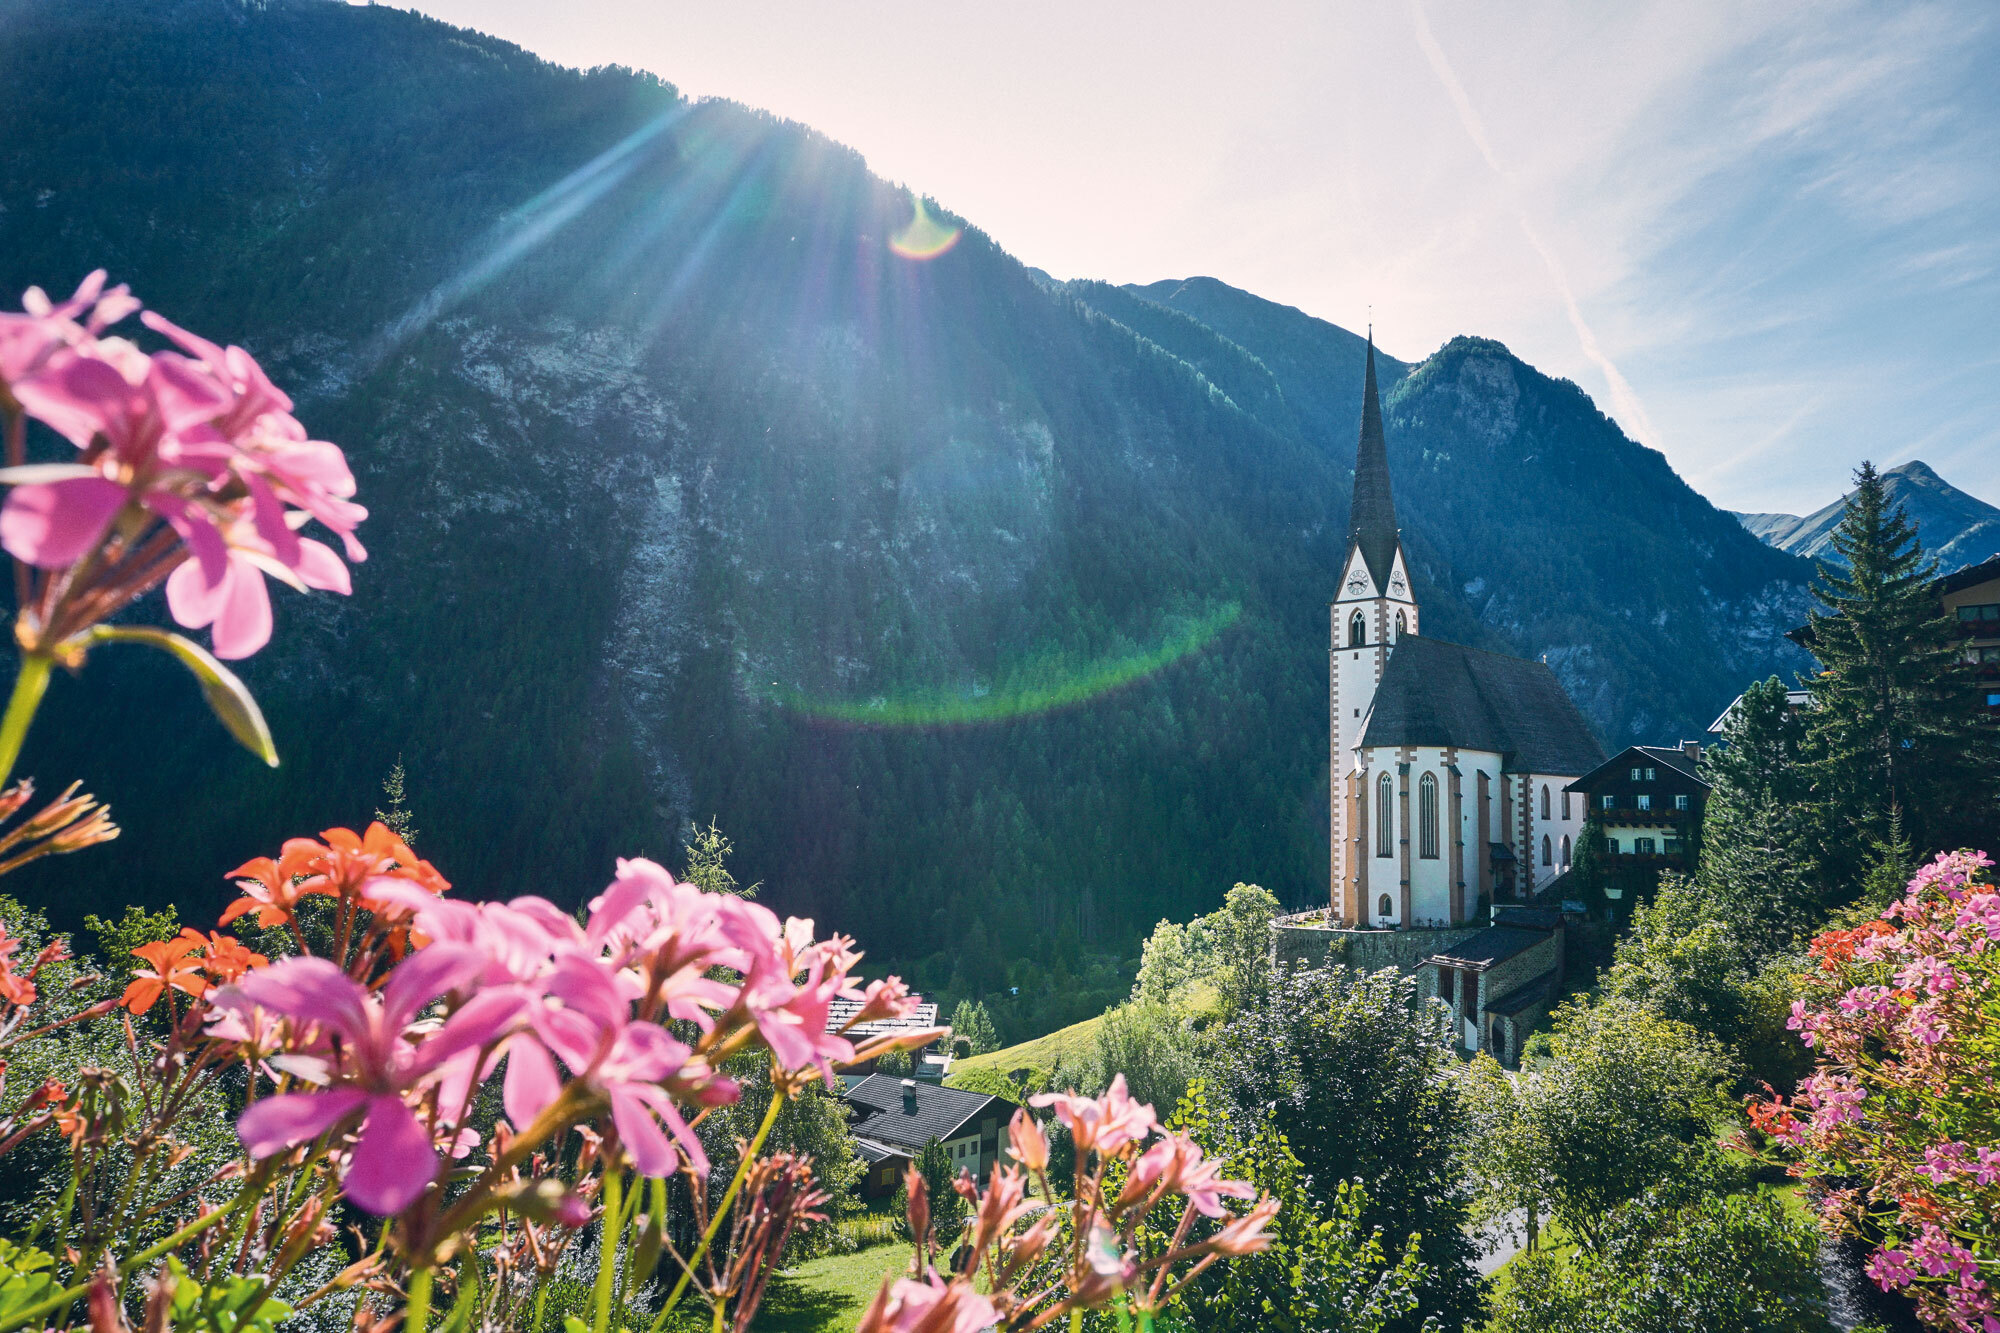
x=925 y=237
x=1027 y=692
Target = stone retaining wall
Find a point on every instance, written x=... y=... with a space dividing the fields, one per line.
x=1367 y=950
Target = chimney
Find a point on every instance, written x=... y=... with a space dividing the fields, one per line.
x=910 y=1095
x=1692 y=749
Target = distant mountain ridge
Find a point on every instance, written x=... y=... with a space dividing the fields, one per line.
x=1957 y=528
x=679 y=477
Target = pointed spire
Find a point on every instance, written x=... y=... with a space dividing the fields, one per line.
x=1373 y=521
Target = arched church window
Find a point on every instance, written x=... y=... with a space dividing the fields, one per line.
x=1383 y=907
x=1548 y=849
x=1357 y=631
x=1385 y=817
x=1565 y=851
x=1402 y=625
x=1545 y=805
x=1427 y=816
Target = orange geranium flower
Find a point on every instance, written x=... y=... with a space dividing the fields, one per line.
x=172 y=966
x=229 y=958
x=13 y=989
x=349 y=861
x=272 y=889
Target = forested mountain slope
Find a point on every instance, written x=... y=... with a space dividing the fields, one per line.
x=987 y=616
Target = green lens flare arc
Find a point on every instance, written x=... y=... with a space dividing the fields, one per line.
x=1015 y=700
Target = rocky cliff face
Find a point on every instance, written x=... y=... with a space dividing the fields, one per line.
x=986 y=614
x=1959 y=529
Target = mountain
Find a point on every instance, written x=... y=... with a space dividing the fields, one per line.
x=986 y=614
x=1959 y=529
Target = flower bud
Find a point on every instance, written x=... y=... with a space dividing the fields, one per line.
x=1028 y=1145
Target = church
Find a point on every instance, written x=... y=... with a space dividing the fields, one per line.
x=1450 y=765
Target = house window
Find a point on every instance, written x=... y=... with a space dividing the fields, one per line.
x=1402 y=626
x=1645 y=800
x=1427 y=817
x=1608 y=801
x=1635 y=774
x=1565 y=803
x=1357 y=631
x=1545 y=800
x=1642 y=846
x=1681 y=801
x=1548 y=851
x=1385 y=817
x=1649 y=774
x=1382 y=908
x=1565 y=851
x=1611 y=846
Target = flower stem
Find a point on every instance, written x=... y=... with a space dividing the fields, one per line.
x=722 y=1209
x=417 y=1312
x=21 y=705
x=63 y=1299
x=607 y=1244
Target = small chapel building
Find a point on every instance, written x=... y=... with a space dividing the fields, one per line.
x=1451 y=765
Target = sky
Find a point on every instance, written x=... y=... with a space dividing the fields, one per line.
x=1764 y=238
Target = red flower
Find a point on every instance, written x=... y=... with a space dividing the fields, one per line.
x=229 y=958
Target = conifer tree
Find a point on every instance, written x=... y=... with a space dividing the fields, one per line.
x=397 y=817
x=971 y=1022
x=1894 y=721
x=1761 y=830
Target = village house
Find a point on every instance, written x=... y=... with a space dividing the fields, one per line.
x=892 y=1119
x=1648 y=801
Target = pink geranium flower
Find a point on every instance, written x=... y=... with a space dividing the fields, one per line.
x=585 y=1021
x=929 y=1306
x=1104 y=1124
x=359 y=1045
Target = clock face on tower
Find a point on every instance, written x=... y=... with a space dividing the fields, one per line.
x=1357 y=582
x=1396 y=585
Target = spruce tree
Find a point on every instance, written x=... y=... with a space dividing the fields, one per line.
x=1761 y=830
x=1894 y=721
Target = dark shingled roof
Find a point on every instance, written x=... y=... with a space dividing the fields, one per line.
x=1439 y=693
x=1539 y=991
x=1495 y=944
x=1665 y=756
x=875 y=1153
x=1372 y=519
x=879 y=1113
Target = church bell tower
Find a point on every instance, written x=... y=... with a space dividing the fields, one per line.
x=1372 y=608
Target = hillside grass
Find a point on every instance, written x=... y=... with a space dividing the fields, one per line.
x=823 y=1295
x=1042 y=1054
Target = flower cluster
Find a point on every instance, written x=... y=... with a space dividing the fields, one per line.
x=1903 y=1012
x=1043 y=1258
x=189 y=468
x=621 y=1020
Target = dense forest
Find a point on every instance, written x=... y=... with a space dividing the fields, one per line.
x=984 y=613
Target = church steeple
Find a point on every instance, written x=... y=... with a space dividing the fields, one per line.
x=1373 y=521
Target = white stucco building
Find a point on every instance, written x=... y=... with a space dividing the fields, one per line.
x=1449 y=763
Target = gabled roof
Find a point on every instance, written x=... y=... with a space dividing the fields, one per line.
x=1439 y=693
x=1970 y=577
x=1372 y=518
x=838 y=1012
x=1664 y=756
x=936 y=1112
x=874 y=1153
x=1495 y=944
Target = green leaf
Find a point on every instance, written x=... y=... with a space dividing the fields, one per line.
x=228 y=698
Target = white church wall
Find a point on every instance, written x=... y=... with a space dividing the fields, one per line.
x=1556 y=827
